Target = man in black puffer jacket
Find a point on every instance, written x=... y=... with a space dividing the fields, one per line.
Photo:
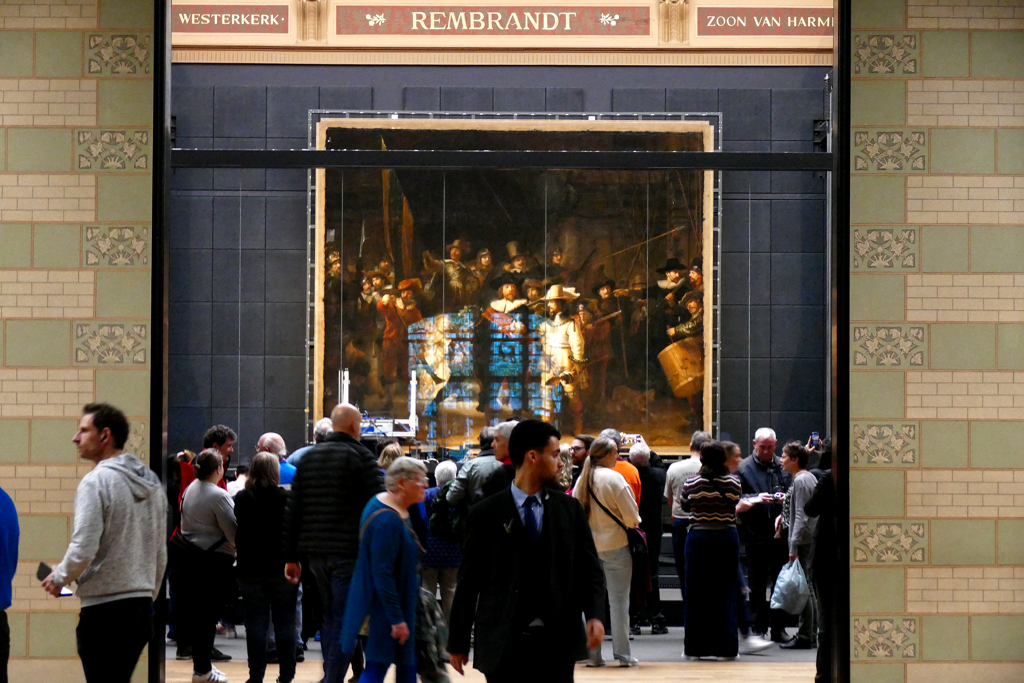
x=332 y=485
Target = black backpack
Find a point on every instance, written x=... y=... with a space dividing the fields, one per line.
x=448 y=522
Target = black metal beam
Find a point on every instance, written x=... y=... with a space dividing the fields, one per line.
x=540 y=159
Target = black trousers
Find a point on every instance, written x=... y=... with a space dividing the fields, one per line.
x=203 y=601
x=5 y=645
x=533 y=656
x=823 y=590
x=764 y=562
x=111 y=637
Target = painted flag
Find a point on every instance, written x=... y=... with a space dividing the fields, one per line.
x=398 y=225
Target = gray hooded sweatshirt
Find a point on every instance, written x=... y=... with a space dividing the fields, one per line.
x=118 y=548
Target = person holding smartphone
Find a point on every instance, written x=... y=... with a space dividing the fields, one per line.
x=118 y=550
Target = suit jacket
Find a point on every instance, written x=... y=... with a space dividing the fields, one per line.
x=491 y=572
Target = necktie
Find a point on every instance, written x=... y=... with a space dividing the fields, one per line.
x=530 y=520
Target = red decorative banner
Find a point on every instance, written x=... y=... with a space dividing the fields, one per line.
x=493 y=21
x=229 y=18
x=768 y=21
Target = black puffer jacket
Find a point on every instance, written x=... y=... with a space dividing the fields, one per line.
x=332 y=485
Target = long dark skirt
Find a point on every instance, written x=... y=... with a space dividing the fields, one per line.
x=709 y=602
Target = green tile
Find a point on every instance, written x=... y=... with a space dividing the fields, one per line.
x=889 y=636
x=878 y=103
x=124 y=198
x=16 y=240
x=963 y=150
x=885 y=444
x=997 y=249
x=1011 y=541
x=878 y=199
x=38 y=343
x=123 y=293
x=126 y=14
x=58 y=54
x=989 y=445
x=879 y=14
x=1010 y=150
x=944 y=248
x=876 y=672
x=885 y=248
x=997 y=638
x=945 y=638
x=889 y=542
x=946 y=54
x=877 y=297
x=877 y=590
x=57 y=246
x=51 y=441
x=18 y=621
x=877 y=394
x=16 y=48
x=43 y=537
x=997 y=54
x=888 y=346
x=39 y=149
x=889 y=151
x=1010 y=347
x=15 y=433
x=944 y=444
x=126 y=389
x=963 y=541
x=125 y=103
x=52 y=634
x=963 y=347
x=887 y=54
x=119 y=54
x=877 y=493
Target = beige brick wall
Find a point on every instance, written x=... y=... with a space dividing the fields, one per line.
x=965 y=394
x=963 y=102
x=48 y=102
x=965 y=14
x=965 y=590
x=47 y=294
x=960 y=199
x=965 y=298
x=29 y=197
x=48 y=14
x=45 y=392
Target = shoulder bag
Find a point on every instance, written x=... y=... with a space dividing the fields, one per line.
x=184 y=553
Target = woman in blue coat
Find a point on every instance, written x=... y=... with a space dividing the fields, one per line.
x=385 y=586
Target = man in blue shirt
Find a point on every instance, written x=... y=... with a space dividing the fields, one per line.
x=323 y=427
x=9 y=533
x=273 y=443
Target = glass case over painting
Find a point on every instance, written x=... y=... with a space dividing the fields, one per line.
x=449 y=300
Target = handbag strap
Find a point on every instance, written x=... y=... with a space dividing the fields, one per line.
x=607 y=511
x=366 y=523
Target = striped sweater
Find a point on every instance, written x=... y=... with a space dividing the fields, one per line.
x=711 y=501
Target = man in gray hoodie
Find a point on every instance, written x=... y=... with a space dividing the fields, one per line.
x=118 y=549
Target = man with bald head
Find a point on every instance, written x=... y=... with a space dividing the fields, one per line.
x=273 y=443
x=332 y=485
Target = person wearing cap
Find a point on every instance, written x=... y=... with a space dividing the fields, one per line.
x=563 y=355
x=696 y=274
x=399 y=313
x=458 y=283
x=508 y=302
x=519 y=261
x=485 y=272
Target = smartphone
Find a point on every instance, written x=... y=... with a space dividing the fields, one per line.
x=815 y=439
x=45 y=570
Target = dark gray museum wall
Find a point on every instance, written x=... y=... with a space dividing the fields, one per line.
x=237 y=291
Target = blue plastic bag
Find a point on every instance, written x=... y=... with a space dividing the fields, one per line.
x=791 y=590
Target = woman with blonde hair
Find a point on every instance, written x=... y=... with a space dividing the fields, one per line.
x=609 y=503
x=265 y=591
x=388 y=455
x=385 y=586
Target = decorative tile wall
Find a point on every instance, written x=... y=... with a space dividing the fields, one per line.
x=937 y=340
x=76 y=83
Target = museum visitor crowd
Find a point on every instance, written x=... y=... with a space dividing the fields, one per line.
x=537 y=548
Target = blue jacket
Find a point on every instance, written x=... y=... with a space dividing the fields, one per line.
x=385 y=586
x=9 y=534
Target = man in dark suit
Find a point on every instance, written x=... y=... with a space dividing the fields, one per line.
x=529 y=574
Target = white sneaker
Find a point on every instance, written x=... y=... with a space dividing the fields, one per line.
x=727 y=659
x=627 y=660
x=595 y=662
x=214 y=675
x=753 y=643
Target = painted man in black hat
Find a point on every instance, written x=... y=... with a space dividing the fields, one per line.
x=501 y=350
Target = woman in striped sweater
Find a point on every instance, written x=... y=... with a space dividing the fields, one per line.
x=712 y=557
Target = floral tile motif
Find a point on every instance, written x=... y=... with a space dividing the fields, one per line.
x=886 y=54
x=894 y=248
x=116 y=246
x=119 y=54
x=111 y=343
x=887 y=346
x=138 y=440
x=889 y=542
x=889 y=151
x=885 y=444
x=113 y=150
x=886 y=638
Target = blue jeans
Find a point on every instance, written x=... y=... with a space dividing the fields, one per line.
x=375 y=672
x=263 y=598
x=333 y=576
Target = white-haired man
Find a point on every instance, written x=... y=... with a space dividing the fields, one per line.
x=273 y=443
x=761 y=472
x=442 y=560
x=321 y=430
x=652 y=483
x=477 y=471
